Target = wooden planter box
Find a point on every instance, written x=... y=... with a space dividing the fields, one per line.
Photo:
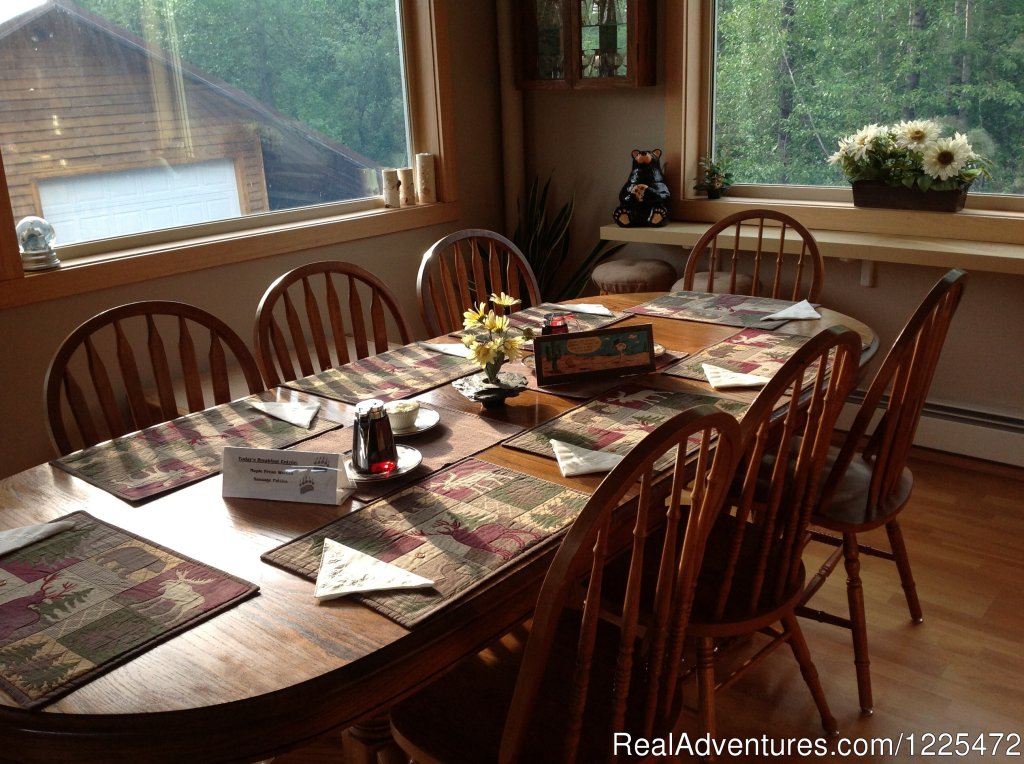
x=873 y=193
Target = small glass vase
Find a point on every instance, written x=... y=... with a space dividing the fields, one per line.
x=478 y=388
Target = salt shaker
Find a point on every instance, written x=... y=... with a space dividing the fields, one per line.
x=373 y=443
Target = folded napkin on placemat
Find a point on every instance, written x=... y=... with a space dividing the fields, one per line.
x=344 y=570
x=725 y=379
x=456 y=349
x=576 y=460
x=798 y=311
x=16 y=538
x=92 y=597
x=592 y=308
x=299 y=414
x=458 y=528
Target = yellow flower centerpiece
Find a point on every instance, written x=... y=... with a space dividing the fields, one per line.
x=492 y=342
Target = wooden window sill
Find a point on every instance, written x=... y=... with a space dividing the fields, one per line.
x=87 y=274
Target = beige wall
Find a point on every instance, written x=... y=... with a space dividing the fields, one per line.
x=584 y=140
x=30 y=335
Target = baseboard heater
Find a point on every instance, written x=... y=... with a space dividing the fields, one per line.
x=958 y=430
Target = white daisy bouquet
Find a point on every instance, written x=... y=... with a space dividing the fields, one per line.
x=912 y=153
x=499 y=341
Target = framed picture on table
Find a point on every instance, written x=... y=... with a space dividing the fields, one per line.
x=597 y=354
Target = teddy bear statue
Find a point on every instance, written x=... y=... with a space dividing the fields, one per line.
x=644 y=198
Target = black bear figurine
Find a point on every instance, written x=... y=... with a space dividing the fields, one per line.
x=643 y=201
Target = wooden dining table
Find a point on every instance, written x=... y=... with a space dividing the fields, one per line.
x=279 y=670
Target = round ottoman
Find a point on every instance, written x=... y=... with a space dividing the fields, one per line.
x=619 y=276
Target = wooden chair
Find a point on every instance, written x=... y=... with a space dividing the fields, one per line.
x=722 y=261
x=98 y=382
x=753 y=576
x=583 y=676
x=869 y=483
x=337 y=306
x=465 y=268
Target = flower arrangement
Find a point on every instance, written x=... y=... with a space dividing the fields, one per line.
x=714 y=177
x=913 y=154
x=499 y=341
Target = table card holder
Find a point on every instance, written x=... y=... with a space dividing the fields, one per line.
x=596 y=354
x=303 y=476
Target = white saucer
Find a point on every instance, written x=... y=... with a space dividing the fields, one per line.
x=425 y=420
x=408 y=459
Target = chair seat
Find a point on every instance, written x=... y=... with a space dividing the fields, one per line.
x=625 y=276
x=848 y=510
x=720 y=285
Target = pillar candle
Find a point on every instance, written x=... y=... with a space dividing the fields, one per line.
x=391 y=198
x=406 y=187
x=425 y=190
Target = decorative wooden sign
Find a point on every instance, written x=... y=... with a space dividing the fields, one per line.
x=600 y=353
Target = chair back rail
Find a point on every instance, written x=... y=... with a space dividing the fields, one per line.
x=339 y=308
x=641 y=664
x=787 y=431
x=465 y=268
x=99 y=381
x=722 y=249
x=900 y=387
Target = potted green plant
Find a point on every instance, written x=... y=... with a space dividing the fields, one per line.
x=714 y=177
x=909 y=165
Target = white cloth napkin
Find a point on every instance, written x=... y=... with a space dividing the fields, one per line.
x=723 y=379
x=449 y=348
x=584 y=307
x=16 y=538
x=575 y=460
x=344 y=570
x=299 y=414
x=801 y=310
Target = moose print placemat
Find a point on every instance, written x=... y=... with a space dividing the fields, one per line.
x=725 y=309
x=389 y=376
x=751 y=351
x=90 y=598
x=457 y=527
x=166 y=456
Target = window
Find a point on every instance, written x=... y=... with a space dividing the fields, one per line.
x=134 y=118
x=793 y=76
x=782 y=163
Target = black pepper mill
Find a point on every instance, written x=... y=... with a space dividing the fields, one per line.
x=373 y=443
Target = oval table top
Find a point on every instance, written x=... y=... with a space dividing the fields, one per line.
x=277 y=670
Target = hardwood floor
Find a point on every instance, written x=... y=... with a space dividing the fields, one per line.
x=961 y=671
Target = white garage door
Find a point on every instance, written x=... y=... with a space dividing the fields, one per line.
x=87 y=207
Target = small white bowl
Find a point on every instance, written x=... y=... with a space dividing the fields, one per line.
x=402 y=414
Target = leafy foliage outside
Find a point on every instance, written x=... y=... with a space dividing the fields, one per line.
x=333 y=66
x=795 y=76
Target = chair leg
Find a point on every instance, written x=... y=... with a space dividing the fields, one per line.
x=858 y=622
x=899 y=551
x=798 y=645
x=706 y=683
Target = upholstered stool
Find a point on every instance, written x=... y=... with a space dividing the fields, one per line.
x=619 y=276
x=720 y=284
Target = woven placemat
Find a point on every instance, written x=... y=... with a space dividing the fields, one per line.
x=145 y=464
x=458 y=527
x=724 y=309
x=618 y=419
x=92 y=597
x=388 y=376
x=751 y=351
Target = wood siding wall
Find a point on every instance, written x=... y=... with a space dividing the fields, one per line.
x=74 y=101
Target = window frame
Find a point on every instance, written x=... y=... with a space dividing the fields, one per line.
x=142 y=257
x=689 y=50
